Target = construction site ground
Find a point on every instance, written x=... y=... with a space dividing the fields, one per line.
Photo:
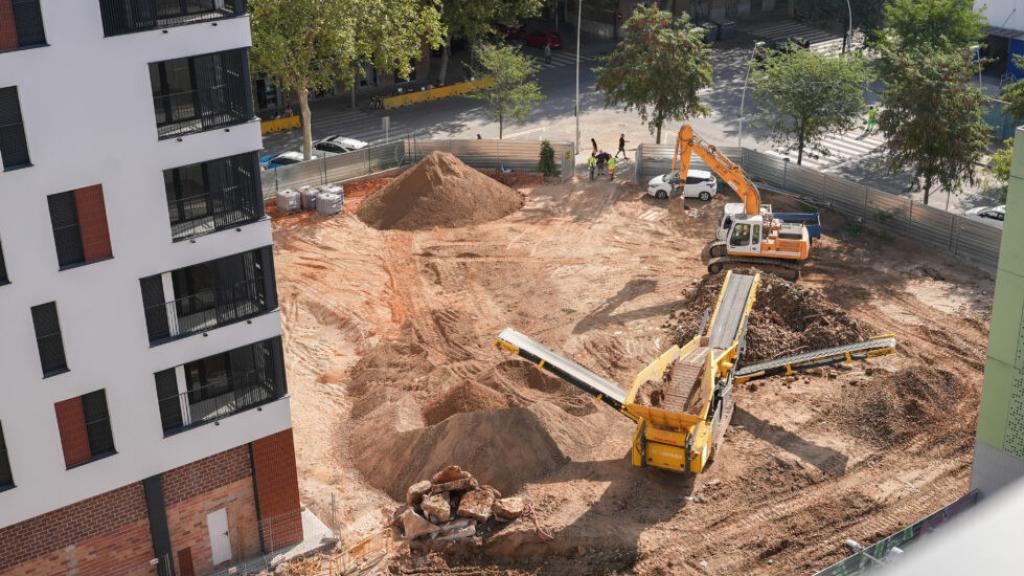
x=393 y=374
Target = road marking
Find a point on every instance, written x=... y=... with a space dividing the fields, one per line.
x=524 y=132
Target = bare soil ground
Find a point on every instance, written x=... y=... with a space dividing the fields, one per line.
x=392 y=371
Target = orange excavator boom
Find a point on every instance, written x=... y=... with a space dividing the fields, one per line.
x=688 y=142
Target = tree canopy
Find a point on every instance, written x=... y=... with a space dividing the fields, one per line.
x=944 y=24
x=805 y=95
x=932 y=117
x=514 y=93
x=305 y=45
x=474 y=20
x=658 y=68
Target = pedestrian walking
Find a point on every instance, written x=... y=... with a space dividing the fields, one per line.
x=872 y=120
x=547 y=52
x=602 y=162
x=622 y=147
x=594 y=144
x=611 y=168
x=592 y=165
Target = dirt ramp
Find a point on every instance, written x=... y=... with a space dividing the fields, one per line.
x=439 y=192
x=507 y=447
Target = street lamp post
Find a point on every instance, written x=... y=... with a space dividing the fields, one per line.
x=579 y=23
x=743 y=98
x=848 y=43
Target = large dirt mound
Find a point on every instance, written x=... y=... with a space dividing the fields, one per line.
x=439 y=191
x=787 y=319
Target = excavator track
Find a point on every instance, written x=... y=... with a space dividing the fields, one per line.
x=786 y=269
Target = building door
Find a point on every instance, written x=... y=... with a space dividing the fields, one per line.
x=220 y=542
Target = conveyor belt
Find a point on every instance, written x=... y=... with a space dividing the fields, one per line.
x=859 y=350
x=729 y=316
x=566 y=369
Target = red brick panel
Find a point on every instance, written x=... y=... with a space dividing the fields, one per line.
x=186 y=522
x=106 y=516
x=8 y=31
x=73 y=436
x=277 y=490
x=126 y=551
x=205 y=475
x=92 y=222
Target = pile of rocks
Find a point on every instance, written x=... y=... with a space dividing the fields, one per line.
x=453 y=506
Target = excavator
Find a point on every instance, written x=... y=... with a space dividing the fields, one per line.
x=756 y=239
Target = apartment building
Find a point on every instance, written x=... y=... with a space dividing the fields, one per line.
x=144 y=414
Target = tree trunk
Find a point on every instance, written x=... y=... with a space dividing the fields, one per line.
x=657 y=138
x=355 y=81
x=927 y=188
x=800 y=149
x=501 y=125
x=446 y=55
x=307 y=125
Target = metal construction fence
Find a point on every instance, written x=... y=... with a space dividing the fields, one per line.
x=952 y=233
x=488 y=155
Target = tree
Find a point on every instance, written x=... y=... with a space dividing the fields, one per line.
x=1001 y=162
x=547 y=159
x=806 y=95
x=932 y=117
x=1013 y=95
x=658 y=68
x=474 y=20
x=514 y=92
x=868 y=15
x=950 y=24
x=305 y=45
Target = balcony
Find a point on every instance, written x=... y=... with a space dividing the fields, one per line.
x=210 y=196
x=128 y=16
x=200 y=93
x=220 y=386
x=206 y=296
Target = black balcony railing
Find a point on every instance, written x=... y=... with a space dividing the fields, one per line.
x=201 y=93
x=205 y=310
x=214 y=195
x=224 y=394
x=127 y=16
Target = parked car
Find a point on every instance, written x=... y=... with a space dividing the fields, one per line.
x=699 y=184
x=991 y=215
x=539 y=39
x=786 y=46
x=277 y=160
x=338 y=145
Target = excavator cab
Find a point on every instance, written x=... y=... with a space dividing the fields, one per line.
x=745 y=236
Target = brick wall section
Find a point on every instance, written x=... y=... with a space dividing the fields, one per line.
x=74 y=525
x=124 y=552
x=8 y=31
x=92 y=221
x=206 y=474
x=73 y=437
x=186 y=521
x=277 y=489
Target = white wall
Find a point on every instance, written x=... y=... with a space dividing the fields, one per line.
x=1002 y=13
x=88 y=113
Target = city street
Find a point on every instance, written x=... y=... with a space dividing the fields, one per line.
x=855 y=155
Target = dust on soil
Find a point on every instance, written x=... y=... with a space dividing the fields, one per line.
x=439 y=191
x=393 y=374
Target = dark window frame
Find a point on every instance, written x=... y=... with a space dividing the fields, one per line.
x=219 y=94
x=54 y=338
x=4 y=279
x=12 y=132
x=98 y=425
x=23 y=13
x=116 y=23
x=6 y=474
x=67 y=236
x=211 y=210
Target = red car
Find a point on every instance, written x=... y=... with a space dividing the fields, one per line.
x=539 y=39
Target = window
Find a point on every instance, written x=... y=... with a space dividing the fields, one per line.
x=48 y=339
x=220 y=385
x=127 y=16
x=756 y=237
x=21 y=25
x=211 y=196
x=6 y=479
x=201 y=93
x=3 y=268
x=79 y=220
x=694 y=180
x=13 y=147
x=84 y=426
x=740 y=235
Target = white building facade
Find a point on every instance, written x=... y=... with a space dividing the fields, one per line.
x=140 y=347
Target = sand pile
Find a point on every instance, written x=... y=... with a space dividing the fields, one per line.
x=439 y=191
x=788 y=318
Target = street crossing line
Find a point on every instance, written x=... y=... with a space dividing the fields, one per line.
x=842 y=148
x=560 y=59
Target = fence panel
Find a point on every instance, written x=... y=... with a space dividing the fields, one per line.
x=346 y=166
x=976 y=239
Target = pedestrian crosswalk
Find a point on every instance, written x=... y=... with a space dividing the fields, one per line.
x=560 y=59
x=842 y=148
x=821 y=40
